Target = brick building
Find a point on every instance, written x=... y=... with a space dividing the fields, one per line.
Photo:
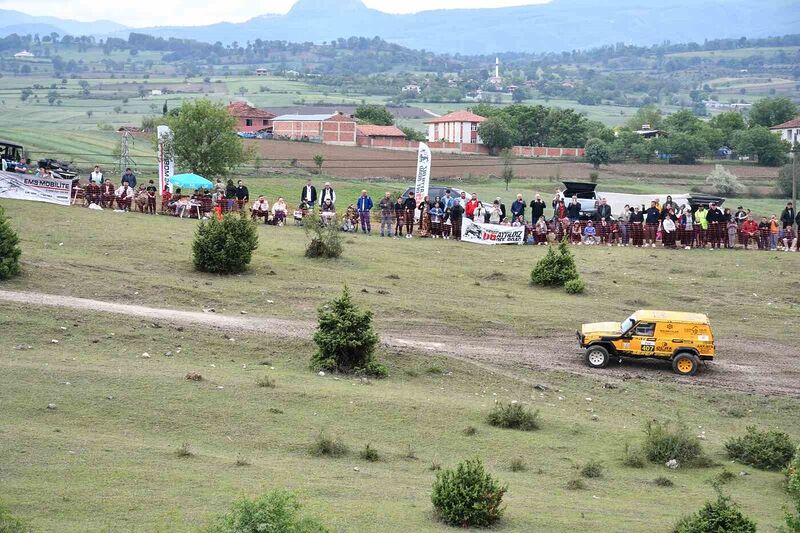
x=334 y=128
x=378 y=136
x=457 y=127
x=250 y=119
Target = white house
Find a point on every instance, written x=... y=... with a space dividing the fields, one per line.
x=458 y=127
x=23 y=54
x=155 y=92
x=790 y=131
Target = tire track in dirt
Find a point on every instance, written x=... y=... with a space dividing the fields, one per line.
x=747 y=365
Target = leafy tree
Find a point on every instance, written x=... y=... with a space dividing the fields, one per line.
x=759 y=141
x=566 y=127
x=412 y=134
x=724 y=182
x=519 y=95
x=649 y=114
x=772 y=111
x=728 y=122
x=374 y=114
x=25 y=94
x=319 y=160
x=597 y=152
x=683 y=121
x=9 y=249
x=224 y=246
x=497 y=134
x=598 y=130
x=345 y=339
x=508 y=172
x=205 y=140
x=785 y=179
x=685 y=148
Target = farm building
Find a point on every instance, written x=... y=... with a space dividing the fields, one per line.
x=250 y=119
x=790 y=131
x=329 y=128
x=458 y=127
x=369 y=135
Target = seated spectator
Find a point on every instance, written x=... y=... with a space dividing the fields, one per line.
x=107 y=195
x=123 y=197
x=350 y=222
x=93 y=193
x=576 y=235
x=260 y=209
x=166 y=197
x=541 y=231
x=327 y=212
x=789 y=239
x=749 y=231
x=300 y=213
x=279 y=210
x=589 y=233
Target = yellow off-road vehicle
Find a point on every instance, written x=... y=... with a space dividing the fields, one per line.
x=683 y=338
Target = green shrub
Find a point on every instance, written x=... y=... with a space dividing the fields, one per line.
x=723 y=477
x=184 y=450
x=513 y=416
x=662 y=481
x=224 y=246
x=793 y=474
x=716 y=516
x=555 y=269
x=664 y=442
x=326 y=240
x=369 y=454
x=325 y=446
x=517 y=465
x=592 y=469
x=266 y=382
x=345 y=339
x=277 y=511
x=468 y=496
x=576 y=483
x=633 y=457
x=767 y=450
x=11 y=524
x=9 y=249
x=792 y=517
x=574 y=286
x=469 y=431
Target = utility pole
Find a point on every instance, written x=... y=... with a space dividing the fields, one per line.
x=124 y=153
x=795 y=150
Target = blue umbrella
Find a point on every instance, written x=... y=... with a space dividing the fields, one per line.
x=190 y=181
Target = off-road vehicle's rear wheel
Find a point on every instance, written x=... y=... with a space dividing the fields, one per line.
x=597 y=357
x=685 y=364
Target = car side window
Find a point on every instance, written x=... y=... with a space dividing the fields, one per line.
x=644 y=329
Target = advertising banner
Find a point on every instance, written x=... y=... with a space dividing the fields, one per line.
x=481 y=233
x=423 y=172
x=166 y=161
x=31 y=187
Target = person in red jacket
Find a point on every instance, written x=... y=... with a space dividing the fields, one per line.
x=471 y=205
x=749 y=231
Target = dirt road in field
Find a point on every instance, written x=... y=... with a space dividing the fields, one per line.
x=761 y=367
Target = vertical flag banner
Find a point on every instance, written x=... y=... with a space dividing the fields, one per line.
x=166 y=161
x=423 y=172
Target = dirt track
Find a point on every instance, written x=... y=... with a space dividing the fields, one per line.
x=749 y=366
x=356 y=162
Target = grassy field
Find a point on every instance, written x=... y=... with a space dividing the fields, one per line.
x=105 y=459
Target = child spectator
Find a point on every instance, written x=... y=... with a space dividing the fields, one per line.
x=603 y=230
x=774 y=227
x=436 y=214
x=789 y=239
x=399 y=216
x=733 y=229
x=614 y=234
x=589 y=233
x=575 y=233
x=637 y=231
x=668 y=228
x=541 y=231
x=151 y=197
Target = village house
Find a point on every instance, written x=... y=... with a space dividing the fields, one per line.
x=457 y=127
x=789 y=131
x=330 y=128
x=369 y=135
x=250 y=119
x=648 y=132
x=262 y=72
x=24 y=54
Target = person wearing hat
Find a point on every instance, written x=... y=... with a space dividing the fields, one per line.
x=364 y=206
x=327 y=193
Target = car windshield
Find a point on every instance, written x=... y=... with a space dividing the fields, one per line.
x=628 y=324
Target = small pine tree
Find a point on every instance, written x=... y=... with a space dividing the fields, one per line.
x=9 y=251
x=319 y=160
x=468 y=496
x=326 y=240
x=345 y=339
x=555 y=269
x=224 y=246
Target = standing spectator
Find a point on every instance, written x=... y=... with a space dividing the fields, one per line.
x=447 y=200
x=637 y=227
x=496 y=214
x=740 y=216
x=652 y=216
x=279 y=210
x=96 y=176
x=219 y=188
x=688 y=235
x=603 y=211
x=399 y=216
x=557 y=199
x=518 y=209
x=151 y=197
x=478 y=213
x=129 y=177
x=456 y=218
x=309 y=194
x=716 y=225
x=409 y=208
x=669 y=228
x=733 y=230
x=470 y=208
x=537 y=208
x=669 y=204
x=462 y=200
x=436 y=213
x=763 y=234
x=385 y=206
x=242 y=195
x=774 y=228
x=560 y=210
x=749 y=231
x=364 y=207
x=327 y=194
x=230 y=196
x=424 y=209
x=788 y=215
x=624 y=225
x=701 y=224
x=574 y=209
x=260 y=209
x=502 y=210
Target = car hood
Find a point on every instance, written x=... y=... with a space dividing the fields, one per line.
x=611 y=328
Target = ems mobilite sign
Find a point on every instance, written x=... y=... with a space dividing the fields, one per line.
x=166 y=161
x=27 y=187
x=423 y=173
x=481 y=233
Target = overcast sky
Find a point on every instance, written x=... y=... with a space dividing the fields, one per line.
x=192 y=13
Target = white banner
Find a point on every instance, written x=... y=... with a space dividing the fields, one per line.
x=31 y=187
x=423 y=172
x=166 y=162
x=481 y=233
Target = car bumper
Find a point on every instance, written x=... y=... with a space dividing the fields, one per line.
x=580 y=337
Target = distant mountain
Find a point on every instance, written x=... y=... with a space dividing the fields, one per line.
x=22 y=23
x=557 y=26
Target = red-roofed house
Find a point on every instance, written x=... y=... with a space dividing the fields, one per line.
x=329 y=128
x=369 y=135
x=790 y=131
x=457 y=127
x=250 y=119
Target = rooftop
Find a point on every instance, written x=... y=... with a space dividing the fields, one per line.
x=794 y=123
x=457 y=116
x=369 y=130
x=308 y=118
x=671 y=316
x=243 y=109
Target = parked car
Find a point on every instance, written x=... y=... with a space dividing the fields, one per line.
x=586 y=197
x=439 y=191
x=682 y=338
